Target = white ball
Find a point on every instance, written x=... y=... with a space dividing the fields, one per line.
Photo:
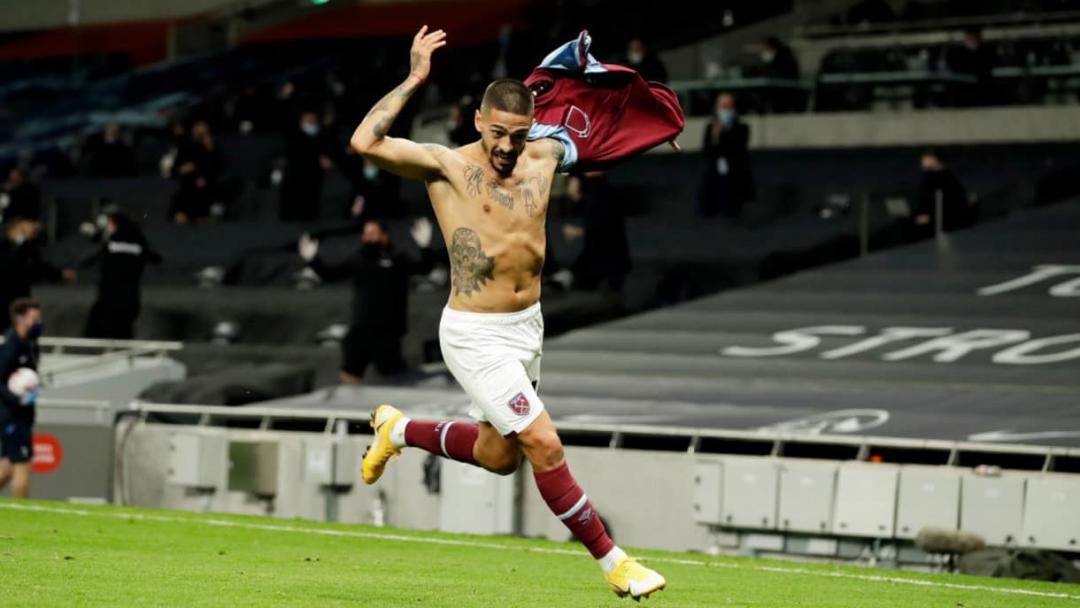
x=22 y=381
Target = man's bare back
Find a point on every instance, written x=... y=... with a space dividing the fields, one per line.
x=490 y=197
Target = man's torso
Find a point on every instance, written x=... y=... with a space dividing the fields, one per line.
x=493 y=227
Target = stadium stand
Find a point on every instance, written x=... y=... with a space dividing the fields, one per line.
x=883 y=342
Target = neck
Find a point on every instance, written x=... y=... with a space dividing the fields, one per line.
x=22 y=331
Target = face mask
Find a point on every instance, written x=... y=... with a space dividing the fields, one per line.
x=35 y=331
x=767 y=56
x=310 y=129
x=726 y=116
x=635 y=57
x=370 y=250
x=371 y=171
x=19 y=240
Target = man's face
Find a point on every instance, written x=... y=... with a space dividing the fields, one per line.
x=27 y=230
x=28 y=319
x=725 y=102
x=930 y=163
x=200 y=131
x=374 y=235
x=15 y=177
x=503 y=136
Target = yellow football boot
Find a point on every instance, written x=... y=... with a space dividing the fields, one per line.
x=629 y=578
x=381 y=450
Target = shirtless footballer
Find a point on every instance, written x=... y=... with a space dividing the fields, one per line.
x=491 y=200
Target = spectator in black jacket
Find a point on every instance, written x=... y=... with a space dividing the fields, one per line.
x=198 y=167
x=20 y=349
x=21 y=263
x=380 y=278
x=460 y=131
x=374 y=192
x=108 y=155
x=19 y=197
x=778 y=62
x=308 y=155
x=123 y=255
x=604 y=260
x=647 y=63
x=938 y=182
x=728 y=182
x=973 y=58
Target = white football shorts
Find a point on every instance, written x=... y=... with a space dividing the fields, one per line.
x=495 y=357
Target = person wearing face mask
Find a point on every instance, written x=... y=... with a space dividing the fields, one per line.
x=380 y=304
x=645 y=62
x=972 y=58
x=19 y=197
x=123 y=255
x=728 y=183
x=307 y=157
x=778 y=62
x=938 y=182
x=198 y=168
x=459 y=131
x=19 y=350
x=374 y=192
x=21 y=263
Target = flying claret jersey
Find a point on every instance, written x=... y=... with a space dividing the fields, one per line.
x=602 y=113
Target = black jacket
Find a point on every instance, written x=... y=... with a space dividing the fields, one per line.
x=380 y=286
x=24 y=201
x=957 y=212
x=20 y=267
x=122 y=260
x=732 y=145
x=605 y=253
x=15 y=353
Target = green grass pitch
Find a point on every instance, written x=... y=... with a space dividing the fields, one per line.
x=56 y=554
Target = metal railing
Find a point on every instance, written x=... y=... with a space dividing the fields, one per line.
x=769 y=443
x=103 y=352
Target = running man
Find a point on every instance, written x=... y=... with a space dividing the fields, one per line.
x=491 y=199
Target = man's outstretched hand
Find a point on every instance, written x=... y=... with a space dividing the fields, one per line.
x=424 y=44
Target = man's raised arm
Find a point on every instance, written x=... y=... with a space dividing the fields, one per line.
x=396 y=155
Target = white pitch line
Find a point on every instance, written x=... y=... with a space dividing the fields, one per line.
x=544 y=550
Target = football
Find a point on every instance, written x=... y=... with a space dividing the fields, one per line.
x=23 y=381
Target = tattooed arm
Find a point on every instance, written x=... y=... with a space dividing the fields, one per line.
x=396 y=155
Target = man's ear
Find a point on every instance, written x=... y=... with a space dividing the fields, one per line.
x=478 y=122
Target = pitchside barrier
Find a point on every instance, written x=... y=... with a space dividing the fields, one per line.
x=826 y=497
x=84 y=381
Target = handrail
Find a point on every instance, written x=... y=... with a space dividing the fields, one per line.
x=109 y=344
x=124 y=350
x=947 y=23
x=207 y=412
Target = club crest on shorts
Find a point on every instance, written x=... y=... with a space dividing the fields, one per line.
x=519 y=404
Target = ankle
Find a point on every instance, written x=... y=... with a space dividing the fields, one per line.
x=611 y=559
x=397 y=433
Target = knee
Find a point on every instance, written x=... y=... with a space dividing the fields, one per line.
x=546 y=450
x=506 y=466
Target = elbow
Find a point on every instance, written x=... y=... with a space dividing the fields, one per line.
x=360 y=144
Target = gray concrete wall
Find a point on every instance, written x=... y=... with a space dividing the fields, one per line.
x=1024 y=124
